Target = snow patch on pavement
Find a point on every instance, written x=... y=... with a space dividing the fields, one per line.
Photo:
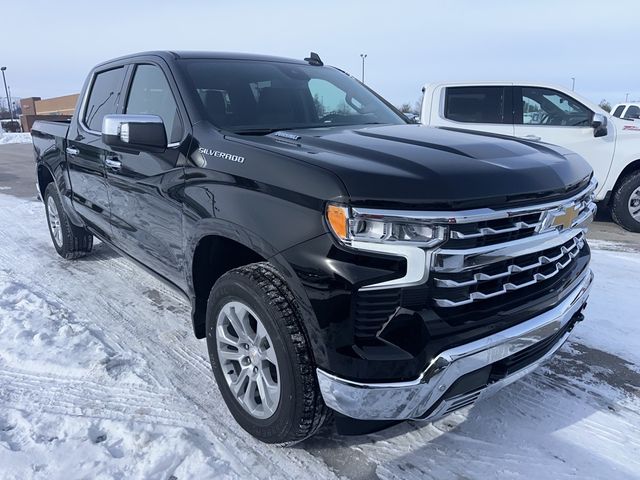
x=101 y=377
x=8 y=137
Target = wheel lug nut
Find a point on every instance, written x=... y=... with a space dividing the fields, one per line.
x=246 y=361
x=255 y=369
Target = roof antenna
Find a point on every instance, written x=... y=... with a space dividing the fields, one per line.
x=314 y=59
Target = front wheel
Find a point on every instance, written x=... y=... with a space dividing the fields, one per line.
x=625 y=208
x=260 y=356
x=69 y=240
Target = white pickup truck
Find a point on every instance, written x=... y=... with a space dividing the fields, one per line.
x=551 y=114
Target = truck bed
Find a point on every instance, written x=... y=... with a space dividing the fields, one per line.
x=50 y=128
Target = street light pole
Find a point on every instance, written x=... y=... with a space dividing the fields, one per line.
x=626 y=98
x=6 y=91
x=573 y=83
x=363 y=56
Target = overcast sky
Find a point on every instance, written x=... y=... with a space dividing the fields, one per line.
x=50 y=45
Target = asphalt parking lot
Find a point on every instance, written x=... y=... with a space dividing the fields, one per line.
x=17 y=178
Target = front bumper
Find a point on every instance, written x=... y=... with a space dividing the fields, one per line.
x=459 y=376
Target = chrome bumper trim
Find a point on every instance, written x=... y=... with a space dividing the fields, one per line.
x=412 y=399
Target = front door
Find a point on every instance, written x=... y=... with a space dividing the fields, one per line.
x=86 y=153
x=547 y=115
x=146 y=188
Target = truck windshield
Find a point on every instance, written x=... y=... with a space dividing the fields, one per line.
x=258 y=97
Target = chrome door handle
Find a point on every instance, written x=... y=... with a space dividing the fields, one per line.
x=72 y=152
x=113 y=163
x=535 y=138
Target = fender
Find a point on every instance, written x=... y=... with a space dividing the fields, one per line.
x=61 y=180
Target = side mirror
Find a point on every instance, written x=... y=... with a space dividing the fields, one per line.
x=599 y=124
x=143 y=133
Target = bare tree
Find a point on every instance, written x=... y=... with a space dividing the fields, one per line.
x=606 y=106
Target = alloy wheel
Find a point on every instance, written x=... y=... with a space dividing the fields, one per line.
x=248 y=359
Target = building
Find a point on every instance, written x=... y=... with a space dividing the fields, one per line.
x=34 y=108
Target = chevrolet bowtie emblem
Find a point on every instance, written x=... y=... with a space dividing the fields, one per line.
x=561 y=218
x=565 y=219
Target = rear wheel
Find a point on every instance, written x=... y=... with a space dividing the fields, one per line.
x=69 y=240
x=260 y=356
x=625 y=208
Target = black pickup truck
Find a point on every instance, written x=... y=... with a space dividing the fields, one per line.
x=338 y=259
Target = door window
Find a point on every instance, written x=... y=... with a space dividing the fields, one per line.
x=103 y=99
x=632 y=112
x=477 y=105
x=329 y=100
x=618 y=111
x=543 y=106
x=150 y=94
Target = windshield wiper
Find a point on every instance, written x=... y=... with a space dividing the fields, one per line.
x=263 y=131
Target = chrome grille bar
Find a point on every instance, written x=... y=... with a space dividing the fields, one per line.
x=578 y=243
x=569 y=252
x=484 y=231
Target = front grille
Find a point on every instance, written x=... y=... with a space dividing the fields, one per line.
x=454 y=289
x=511 y=226
x=491 y=232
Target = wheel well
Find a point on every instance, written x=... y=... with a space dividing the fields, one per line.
x=44 y=179
x=213 y=257
x=628 y=170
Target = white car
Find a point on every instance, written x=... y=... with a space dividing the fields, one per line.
x=630 y=111
x=551 y=114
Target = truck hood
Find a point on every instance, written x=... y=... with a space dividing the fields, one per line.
x=414 y=166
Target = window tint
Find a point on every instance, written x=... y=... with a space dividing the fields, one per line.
x=103 y=98
x=618 y=111
x=150 y=94
x=632 y=112
x=476 y=105
x=254 y=97
x=542 y=106
x=329 y=99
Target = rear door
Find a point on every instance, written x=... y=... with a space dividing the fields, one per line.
x=548 y=115
x=487 y=108
x=86 y=153
x=146 y=188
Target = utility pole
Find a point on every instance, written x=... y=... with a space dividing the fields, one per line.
x=11 y=104
x=6 y=91
x=573 y=83
x=363 y=56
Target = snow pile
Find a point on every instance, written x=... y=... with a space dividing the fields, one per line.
x=101 y=377
x=6 y=137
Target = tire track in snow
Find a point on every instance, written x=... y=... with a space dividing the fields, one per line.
x=132 y=322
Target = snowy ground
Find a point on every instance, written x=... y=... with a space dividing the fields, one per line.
x=101 y=377
x=6 y=138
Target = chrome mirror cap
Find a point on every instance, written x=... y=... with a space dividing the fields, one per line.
x=134 y=132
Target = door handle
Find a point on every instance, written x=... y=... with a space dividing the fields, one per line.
x=535 y=138
x=72 y=152
x=113 y=163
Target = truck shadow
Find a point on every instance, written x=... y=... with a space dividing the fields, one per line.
x=561 y=420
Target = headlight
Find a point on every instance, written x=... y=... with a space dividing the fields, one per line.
x=350 y=226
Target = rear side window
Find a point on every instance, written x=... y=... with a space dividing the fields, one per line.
x=150 y=94
x=477 y=105
x=103 y=99
x=618 y=111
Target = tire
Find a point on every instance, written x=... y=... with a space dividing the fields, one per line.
x=626 y=203
x=70 y=241
x=300 y=409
